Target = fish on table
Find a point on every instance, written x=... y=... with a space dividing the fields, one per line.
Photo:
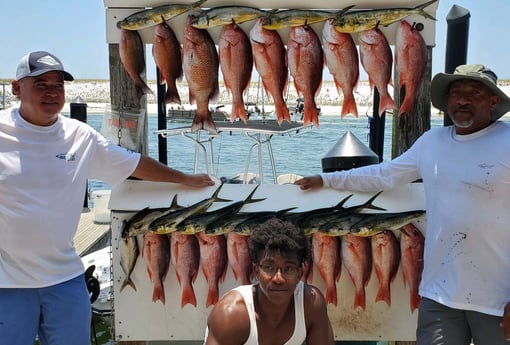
x=200 y=66
x=185 y=257
x=156 y=15
x=412 y=244
x=270 y=62
x=411 y=63
x=305 y=62
x=129 y=252
x=342 y=60
x=156 y=253
x=167 y=54
x=377 y=60
x=132 y=56
x=223 y=15
x=362 y=20
x=386 y=260
x=326 y=256
x=357 y=258
x=214 y=263
x=236 y=63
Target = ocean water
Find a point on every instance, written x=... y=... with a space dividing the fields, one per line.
x=235 y=153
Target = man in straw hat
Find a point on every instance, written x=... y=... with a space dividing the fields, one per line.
x=465 y=170
x=45 y=161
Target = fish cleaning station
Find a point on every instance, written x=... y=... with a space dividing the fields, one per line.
x=166 y=307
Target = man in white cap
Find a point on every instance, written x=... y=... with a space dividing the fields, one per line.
x=465 y=170
x=45 y=161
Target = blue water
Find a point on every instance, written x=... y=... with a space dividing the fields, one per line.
x=293 y=153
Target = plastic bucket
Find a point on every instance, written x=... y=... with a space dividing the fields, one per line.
x=101 y=199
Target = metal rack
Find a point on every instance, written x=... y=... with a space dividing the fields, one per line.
x=259 y=131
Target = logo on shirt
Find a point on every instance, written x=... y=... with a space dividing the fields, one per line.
x=66 y=156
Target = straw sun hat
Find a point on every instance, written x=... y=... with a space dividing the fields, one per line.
x=441 y=82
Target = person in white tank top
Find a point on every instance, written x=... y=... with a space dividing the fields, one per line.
x=280 y=309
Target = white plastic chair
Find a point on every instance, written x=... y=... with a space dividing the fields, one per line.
x=287 y=178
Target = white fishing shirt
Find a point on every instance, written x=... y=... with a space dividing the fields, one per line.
x=467 y=188
x=43 y=176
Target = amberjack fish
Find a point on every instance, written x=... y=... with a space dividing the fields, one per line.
x=156 y=15
x=362 y=20
x=168 y=222
x=129 y=252
x=223 y=15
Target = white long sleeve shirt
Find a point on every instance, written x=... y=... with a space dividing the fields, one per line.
x=467 y=189
x=43 y=175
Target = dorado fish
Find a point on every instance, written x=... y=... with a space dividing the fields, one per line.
x=236 y=62
x=200 y=65
x=326 y=255
x=411 y=247
x=214 y=263
x=132 y=56
x=199 y=221
x=156 y=15
x=357 y=258
x=341 y=58
x=386 y=259
x=374 y=223
x=306 y=60
x=166 y=50
x=251 y=219
x=269 y=58
x=223 y=15
x=411 y=62
x=129 y=252
x=168 y=222
x=358 y=21
x=295 y=17
x=238 y=255
x=156 y=252
x=185 y=256
x=377 y=60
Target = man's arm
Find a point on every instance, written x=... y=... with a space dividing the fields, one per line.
x=152 y=170
x=319 y=330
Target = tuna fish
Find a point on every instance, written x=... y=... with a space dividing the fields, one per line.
x=236 y=61
x=269 y=58
x=386 y=258
x=214 y=263
x=200 y=65
x=357 y=258
x=411 y=62
x=132 y=56
x=306 y=60
x=377 y=60
x=326 y=255
x=156 y=252
x=341 y=58
x=166 y=50
x=411 y=248
x=238 y=255
x=185 y=255
x=129 y=252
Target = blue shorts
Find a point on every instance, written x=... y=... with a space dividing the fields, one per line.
x=439 y=324
x=59 y=314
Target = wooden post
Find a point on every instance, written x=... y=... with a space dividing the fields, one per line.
x=407 y=128
x=123 y=94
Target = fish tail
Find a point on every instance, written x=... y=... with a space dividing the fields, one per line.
x=213 y=296
x=238 y=110
x=127 y=282
x=282 y=112
x=360 y=298
x=311 y=114
x=209 y=125
x=415 y=301
x=200 y=2
x=188 y=296
x=172 y=94
x=386 y=103
x=158 y=293
x=331 y=295
x=349 y=106
x=421 y=12
x=384 y=294
x=407 y=107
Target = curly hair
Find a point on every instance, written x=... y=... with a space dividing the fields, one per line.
x=278 y=234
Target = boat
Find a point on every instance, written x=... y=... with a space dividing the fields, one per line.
x=98 y=278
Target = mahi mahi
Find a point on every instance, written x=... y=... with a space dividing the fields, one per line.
x=223 y=15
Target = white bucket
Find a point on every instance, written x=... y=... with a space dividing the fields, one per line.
x=101 y=199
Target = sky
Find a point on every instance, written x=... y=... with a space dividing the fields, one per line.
x=74 y=30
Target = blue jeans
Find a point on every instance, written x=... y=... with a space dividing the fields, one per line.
x=441 y=325
x=59 y=314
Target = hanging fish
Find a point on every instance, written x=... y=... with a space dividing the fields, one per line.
x=156 y=252
x=411 y=247
x=357 y=21
x=386 y=259
x=295 y=17
x=224 y=15
x=411 y=62
x=326 y=255
x=132 y=56
x=341 y=58
x=156 y=15
x=357 y=258
x=185 y=257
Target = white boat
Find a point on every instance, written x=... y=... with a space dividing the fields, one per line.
x=98 y=277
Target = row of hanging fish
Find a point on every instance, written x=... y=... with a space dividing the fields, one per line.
x=336 y=220
x=304 y=56
x=213 y=255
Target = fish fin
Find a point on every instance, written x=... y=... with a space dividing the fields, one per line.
x=200 y=2
x=349 y=105
x=414 y=301
x=386 y=103
x=360 y=298
x=127 y=282
x=238 y=110
x=420 y=10
x=311 y=114
x=282 y=113
x=331 y=295
x=368 y=203
x=213 y=296
x=172 y=94
x=209 y=125
x=383 y=294
x=188 y=296
x=158 y=293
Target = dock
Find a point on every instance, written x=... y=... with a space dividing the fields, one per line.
x=90 y=235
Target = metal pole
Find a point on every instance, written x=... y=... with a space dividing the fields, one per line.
x=377 y=128
x=162 y=141
x=78 y=111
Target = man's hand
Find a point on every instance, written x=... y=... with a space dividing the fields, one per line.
x=309 y=182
